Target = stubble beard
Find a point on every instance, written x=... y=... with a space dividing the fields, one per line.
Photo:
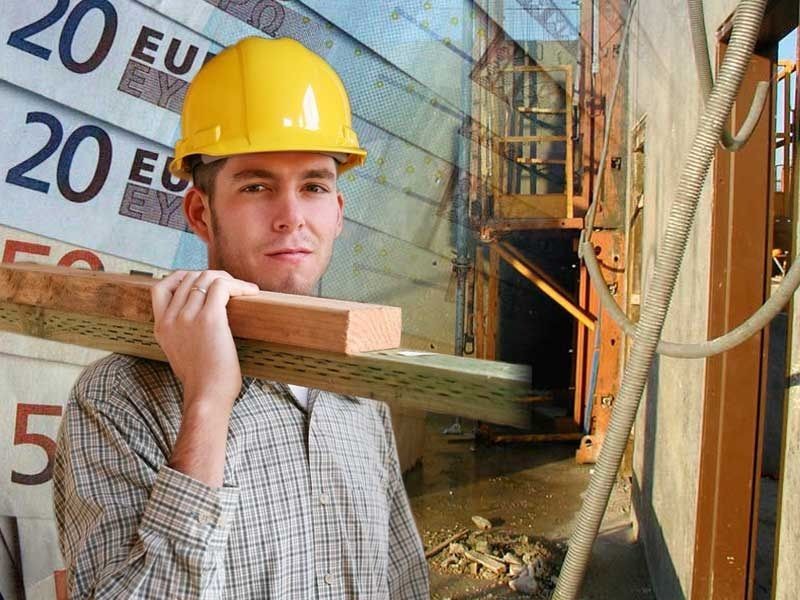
x=222 y=256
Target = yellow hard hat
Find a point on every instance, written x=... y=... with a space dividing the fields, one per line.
x=263 y=95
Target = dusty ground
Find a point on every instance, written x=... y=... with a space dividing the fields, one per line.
x=524 y=490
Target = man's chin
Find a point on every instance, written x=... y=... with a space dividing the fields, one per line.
x=285 y=283
x=297 y=288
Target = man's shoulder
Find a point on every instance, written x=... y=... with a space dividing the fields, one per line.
x=122 y=375
x=379 y=412
x=377 y=407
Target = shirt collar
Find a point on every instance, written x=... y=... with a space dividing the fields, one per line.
x=247 y=382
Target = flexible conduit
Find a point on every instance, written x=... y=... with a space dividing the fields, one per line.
x=697 y=21
x=791 y=281
x=747 y=23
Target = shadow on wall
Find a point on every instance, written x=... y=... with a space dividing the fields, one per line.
x=662 y=570
x=777 y=384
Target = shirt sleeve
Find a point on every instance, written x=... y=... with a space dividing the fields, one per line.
x=408 y=569
x=129 y=526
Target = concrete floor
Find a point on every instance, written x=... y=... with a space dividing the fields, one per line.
x=523 y=489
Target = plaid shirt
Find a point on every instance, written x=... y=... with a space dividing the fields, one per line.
x=312 y=505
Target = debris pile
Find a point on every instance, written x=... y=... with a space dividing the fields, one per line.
x=528 y=566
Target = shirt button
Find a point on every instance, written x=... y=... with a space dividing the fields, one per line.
x=329 y=579
x=204 y=518
x=324 y=499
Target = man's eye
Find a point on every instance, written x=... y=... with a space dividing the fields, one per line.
x=317 y=189
x=254 y=187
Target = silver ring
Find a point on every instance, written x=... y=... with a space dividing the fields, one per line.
x=199 y=289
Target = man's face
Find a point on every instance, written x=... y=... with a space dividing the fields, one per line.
x=273 y=219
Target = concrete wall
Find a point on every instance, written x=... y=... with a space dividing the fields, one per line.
x=663 y=88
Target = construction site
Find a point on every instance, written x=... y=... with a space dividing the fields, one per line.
x=564 y=258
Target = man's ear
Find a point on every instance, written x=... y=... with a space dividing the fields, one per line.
x=198 y=213
x=340 y=222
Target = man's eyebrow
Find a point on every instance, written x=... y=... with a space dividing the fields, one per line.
x=319 y=174
x=253 y=174
x=265 y=174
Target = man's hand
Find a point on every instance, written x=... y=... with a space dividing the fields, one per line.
x=191 y=326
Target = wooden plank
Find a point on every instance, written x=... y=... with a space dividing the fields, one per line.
x=510 y=198
x=439 y=547
x=542 y=281
x=490 y=562
x=540 y=111
x=521 y=139
x=304 y=321
x=535 y=68
x=440 y=383
x=531 y=206
x=494 y=226
x=534 y=438
x=540 y=161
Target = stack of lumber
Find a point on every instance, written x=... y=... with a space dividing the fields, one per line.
x=339 y=346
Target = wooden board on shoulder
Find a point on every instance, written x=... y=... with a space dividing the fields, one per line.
x=303 y=321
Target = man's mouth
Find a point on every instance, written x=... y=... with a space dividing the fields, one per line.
x=289 y=254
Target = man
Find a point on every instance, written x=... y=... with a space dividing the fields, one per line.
x=187 y=480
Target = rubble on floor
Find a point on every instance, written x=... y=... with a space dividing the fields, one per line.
x=527 y=565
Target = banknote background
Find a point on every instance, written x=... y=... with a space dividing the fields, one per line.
x=91 y=92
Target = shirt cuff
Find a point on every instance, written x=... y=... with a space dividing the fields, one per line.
x=186 y=511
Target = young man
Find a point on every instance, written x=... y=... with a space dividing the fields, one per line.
x=189 y=481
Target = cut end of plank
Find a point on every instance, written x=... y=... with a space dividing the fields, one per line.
x=373 y=328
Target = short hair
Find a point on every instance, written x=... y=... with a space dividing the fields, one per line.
x=204 y=175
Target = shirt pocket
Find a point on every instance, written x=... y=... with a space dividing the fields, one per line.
x=368 y=530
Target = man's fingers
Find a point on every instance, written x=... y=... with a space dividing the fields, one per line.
x=161 y=292
x=196 y=295
x=245 y=288
x=180 y=295
x=222 y=290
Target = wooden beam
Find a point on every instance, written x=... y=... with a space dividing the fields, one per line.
x=439 y=547
x=540 y=111
x=521 y=139
x=540 y=279
x=540 y=161
x=489 y=562
x=494 y=226
x=536 y=438
x=303 y=321
x=534 y=69
x=477 y=389
x=530 y=206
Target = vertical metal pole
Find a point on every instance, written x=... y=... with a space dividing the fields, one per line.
x=461 y=262
x=461 y=196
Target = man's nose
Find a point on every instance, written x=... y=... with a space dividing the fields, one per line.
x=288 y=214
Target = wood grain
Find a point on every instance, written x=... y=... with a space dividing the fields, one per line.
x=303 y=321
